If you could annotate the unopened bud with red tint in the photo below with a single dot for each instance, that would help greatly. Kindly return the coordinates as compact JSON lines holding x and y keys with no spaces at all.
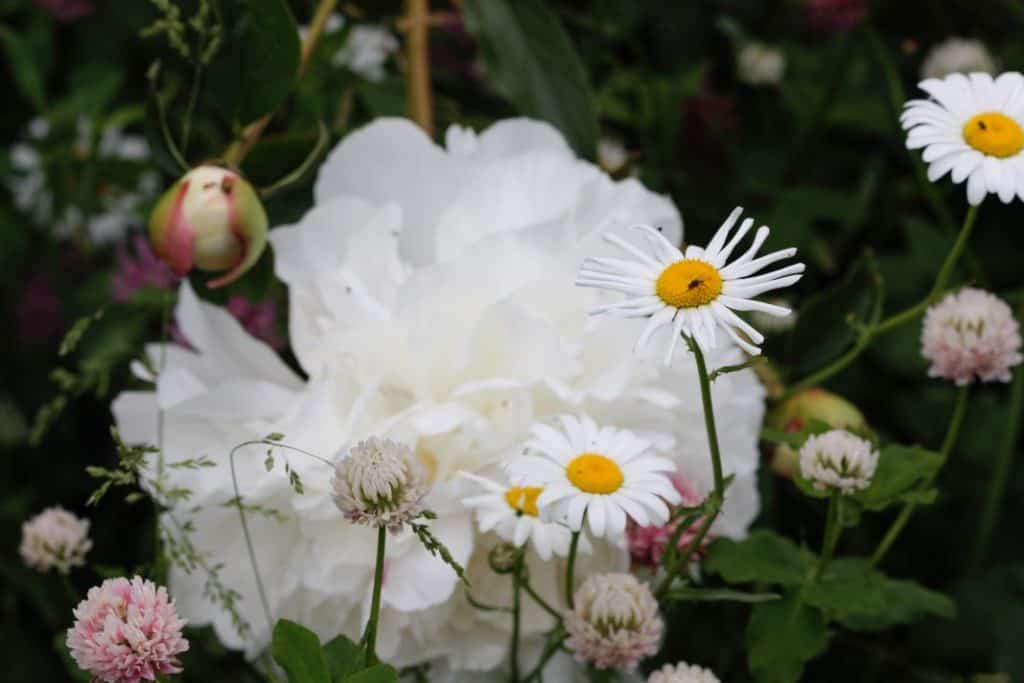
{"x":793,"y":414}
{"x":212,"y":220}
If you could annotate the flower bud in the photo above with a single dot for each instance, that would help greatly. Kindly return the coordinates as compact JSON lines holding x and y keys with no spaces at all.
{"x":794,"y":413}
{"x":211,"y":219}
{"x":615,"y":622}
{"x":379,"y":483}
{"x":838,"y":460}
{"x":504,"y":558}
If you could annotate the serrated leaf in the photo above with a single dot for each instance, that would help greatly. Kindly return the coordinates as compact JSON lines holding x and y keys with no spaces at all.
{"x":764,"y":556}
{"x":782,"y":636}
{"x":533,"y":63}
{"x":297,"y":650}
{"x":902,"y":475}
{"x":344,"y":657}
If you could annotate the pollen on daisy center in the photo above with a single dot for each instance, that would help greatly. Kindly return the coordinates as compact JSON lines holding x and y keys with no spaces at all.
{"x":523,"y":499}
{"x":994,"y":134}
{"x":689,"y":283}
{"x":594,"y":473}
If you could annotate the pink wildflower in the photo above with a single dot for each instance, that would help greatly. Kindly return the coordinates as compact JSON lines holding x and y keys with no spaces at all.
{"x":647,"y":544}
{"x":141,"y":269}
{"x":615,"y":622}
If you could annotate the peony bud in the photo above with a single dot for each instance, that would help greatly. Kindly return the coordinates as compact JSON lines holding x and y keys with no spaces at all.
{"x":211,"y":219}
{"x":794,"y":413}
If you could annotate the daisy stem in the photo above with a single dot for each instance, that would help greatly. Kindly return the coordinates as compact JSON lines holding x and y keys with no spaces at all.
{"x":993,"y":500}
{"x":833,"y":529}
{"x":869,"y":333}
{"x":517,"y":582}
{"x":908,"y":508}
{"x":570,"y":567}
{"x":378,"y":581}
{"x":541,"y":602}
{"x":709,"y":417}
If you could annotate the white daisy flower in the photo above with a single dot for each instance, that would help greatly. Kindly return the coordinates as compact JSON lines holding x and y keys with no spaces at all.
{"x":511,"y":512}
{"x":694,"y":291}
{"x":973,"y":129}
{"x":601,"y":472}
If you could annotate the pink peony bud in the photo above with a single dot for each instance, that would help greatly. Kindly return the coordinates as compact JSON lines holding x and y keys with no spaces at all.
{"x":211,"y":219}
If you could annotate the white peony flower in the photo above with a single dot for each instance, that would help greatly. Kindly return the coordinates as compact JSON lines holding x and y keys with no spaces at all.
{"x":431,"y":302}
{"x":366,"y":50}
{"x":760,"y":64}
{"x":957,"y":55}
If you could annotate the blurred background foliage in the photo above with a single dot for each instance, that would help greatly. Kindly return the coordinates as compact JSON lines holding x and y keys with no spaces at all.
{"x":819,"y":157}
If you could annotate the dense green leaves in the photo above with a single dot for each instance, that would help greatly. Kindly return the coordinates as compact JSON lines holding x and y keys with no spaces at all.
{"x":297,"y":650}
{"x":903,"y":474}
{"x":344,"y":657}
{"x":378,"y":673}
{"x":782,"y":636}
{"x":23,"y":67}
{"x":533,"y":63}
{"x":271,"y":41}
{"x":763,"y":556}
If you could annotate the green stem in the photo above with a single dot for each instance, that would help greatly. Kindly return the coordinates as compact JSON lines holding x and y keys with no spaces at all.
{"x":993,"y":501}
{"x":833,"y":529}
{"x":378,"y":582}
{"x":869,"y":334}
{"x":570,"y":567}
{"x":553,"y":646}
{"x":516,"y":604}
{"x":186,"y":124}
{"x":709,"y":417}
{"x":908,"y":508}
{"x":544,"y":604}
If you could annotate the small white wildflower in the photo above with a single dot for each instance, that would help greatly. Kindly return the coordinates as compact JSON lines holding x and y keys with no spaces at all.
{"x":957,"y":55}
{"x":379,"y":483}
{"x":366,"y":50}
{"x":615,"y":622}
{"x":760,"y":64}
{"x":682,"y":673}
{"x":55,"y":539}
{"x":611,"y":155}
{"x":839,"y":460}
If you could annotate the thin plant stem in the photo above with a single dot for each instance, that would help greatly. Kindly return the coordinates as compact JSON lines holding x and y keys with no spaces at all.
{"x":544,"y":604}
{"x":517,"y":576}
{"x":378,"y":581}
{"x":992,"y":503}
{"x":955,"y":421}
{"x":869,"y":334}
{"x":833,"y":529}
{"x":193,"y":98}
{"x":417,"y":26}
{"x":570,"y":567}
{"x":554,"y":646}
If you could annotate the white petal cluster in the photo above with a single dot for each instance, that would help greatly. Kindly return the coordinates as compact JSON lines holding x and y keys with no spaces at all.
{"x":379,"y":483}
{"x":682,"y":673}
{"x":957,"y":55}
{"x":55,"y":539}
{"x":839,"y":460}
{"x":431,"y":303}
{"x":366,"y":51}
{"x":760,"y":64}
{"x":614,"y":623}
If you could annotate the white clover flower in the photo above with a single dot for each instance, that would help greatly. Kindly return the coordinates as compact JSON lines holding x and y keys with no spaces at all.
{"x":682,"y":673}
{"x":614,"y":623}
{"x":379,"y":483}
{"x":430,"y":299}
{"x":760,"y":64}
{"x":693,"y":292}
{"x":971,"y":129}
{"x":838,"y":459}
{"x":602,"y":473}
{"x":366,"y":50}
{"x":957,"y":55}
{"x":55,"y":539}
{"x":612,"y":155}
{"x":511,"y":512}
{"x":971,"y":335}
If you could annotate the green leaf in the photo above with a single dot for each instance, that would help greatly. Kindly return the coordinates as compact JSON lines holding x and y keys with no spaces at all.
{"x":861,"y":598}
{"x":764,"y":556}
{"x":297,"y":650}
{"x":782,"y":636}
{"x":24,"y":68}
{"x":270,"y":58}
{"x":378,"y":673}
{"x":533,"y":63}
{"x":692,"y":594}
{"x":343,"y":658}
{"x":902,"y":475}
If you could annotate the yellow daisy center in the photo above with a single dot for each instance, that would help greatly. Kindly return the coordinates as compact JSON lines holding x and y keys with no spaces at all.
{"x":523,"y":499}
{"x":689,"y":283}
{"x":594,"y":473}
{"x":994,"y":134}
